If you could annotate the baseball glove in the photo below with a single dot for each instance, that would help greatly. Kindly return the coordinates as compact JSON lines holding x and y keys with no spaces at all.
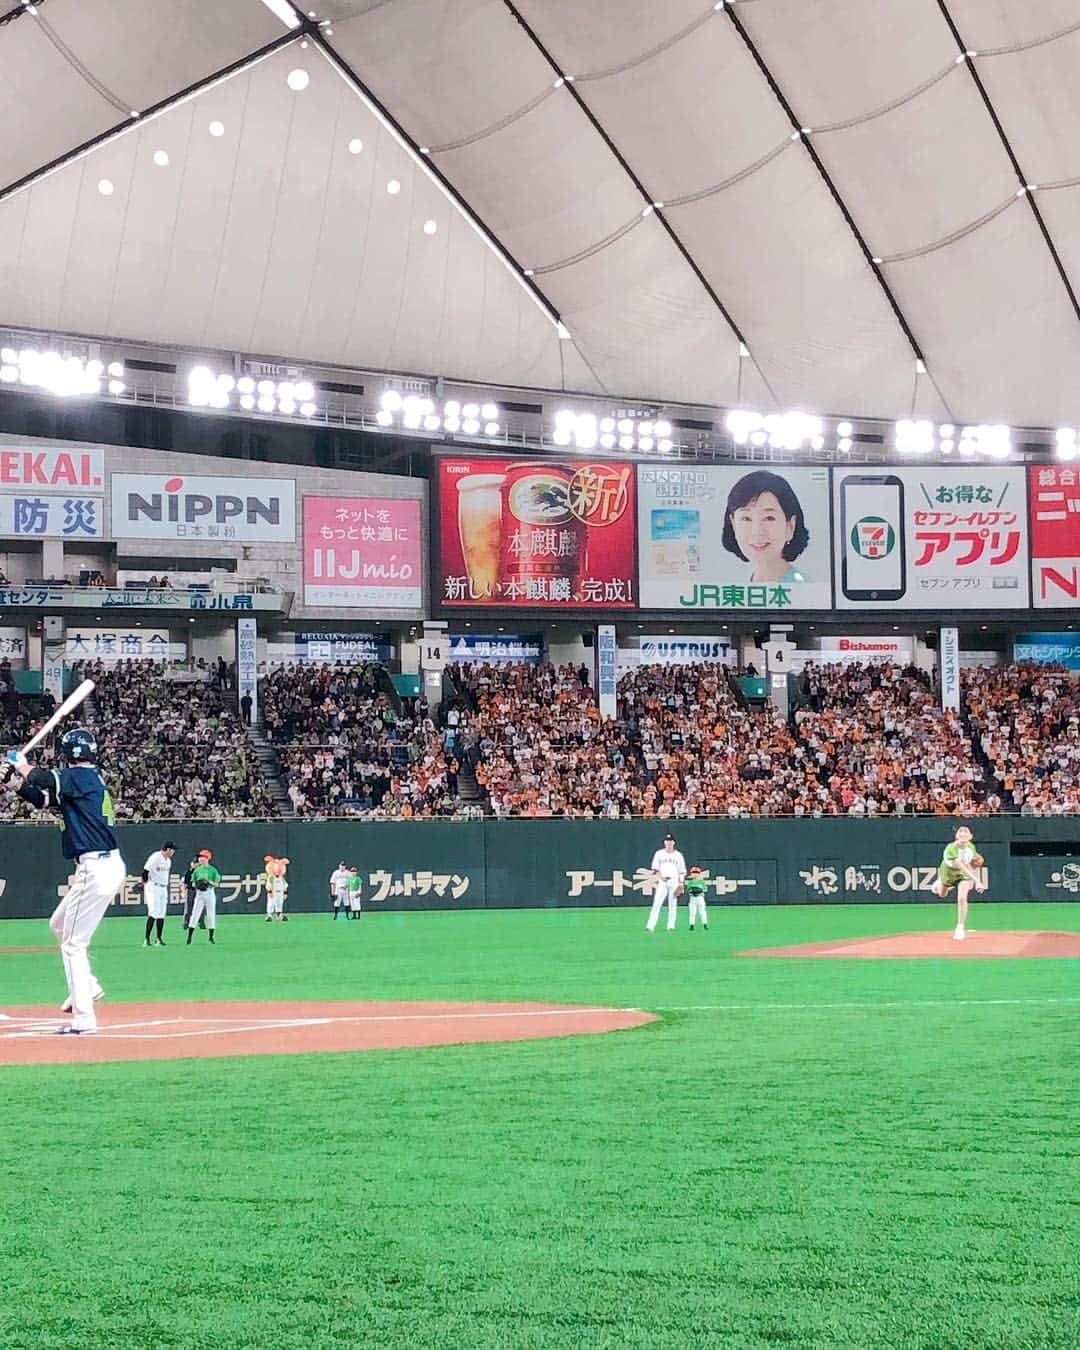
{"x":202,"y":884}
{"x":978,"y":860}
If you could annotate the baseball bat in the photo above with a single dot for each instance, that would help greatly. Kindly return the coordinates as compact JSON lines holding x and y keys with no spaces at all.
{"x":69,"y":705}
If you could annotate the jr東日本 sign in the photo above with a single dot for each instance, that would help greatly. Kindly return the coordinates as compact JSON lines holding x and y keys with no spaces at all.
{"x":733,"y":538}
{"x":43,"y":515}
{"x":198,"y":508}
{"x":1055,"y":536}
{"x":535,"y":534}
{"x":56,"y":470}
{"x":931,"y":538}
{"x":362,"y":553}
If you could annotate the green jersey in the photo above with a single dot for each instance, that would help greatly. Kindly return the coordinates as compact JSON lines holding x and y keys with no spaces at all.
{"x":958,"y":854}
{"x":205,"y":872}
{"x":355,"y":883}
{"x":696,"y":885}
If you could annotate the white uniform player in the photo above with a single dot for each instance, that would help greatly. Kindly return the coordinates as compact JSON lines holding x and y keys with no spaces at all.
{"x":669,"y":868}
{"x":339,"y":889}
{"x":155,"y":873}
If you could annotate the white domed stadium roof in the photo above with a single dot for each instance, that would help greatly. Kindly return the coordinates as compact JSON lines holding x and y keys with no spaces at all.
{"x":841,"y":206}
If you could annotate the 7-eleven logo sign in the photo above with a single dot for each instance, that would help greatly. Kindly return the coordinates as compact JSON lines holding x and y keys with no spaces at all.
{"x":873,"y":537}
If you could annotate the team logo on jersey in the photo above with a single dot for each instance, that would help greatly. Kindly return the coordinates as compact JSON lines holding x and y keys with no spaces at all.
{"x":872,"y":538}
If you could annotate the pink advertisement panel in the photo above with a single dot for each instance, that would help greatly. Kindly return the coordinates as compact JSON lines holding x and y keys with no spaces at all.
{"x":362,"y":553}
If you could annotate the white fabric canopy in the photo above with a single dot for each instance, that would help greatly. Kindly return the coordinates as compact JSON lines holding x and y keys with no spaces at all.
{"x":771,"y":203}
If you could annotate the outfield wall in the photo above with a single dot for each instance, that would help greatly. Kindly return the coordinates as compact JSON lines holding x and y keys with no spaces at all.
{"x":540,"y":863}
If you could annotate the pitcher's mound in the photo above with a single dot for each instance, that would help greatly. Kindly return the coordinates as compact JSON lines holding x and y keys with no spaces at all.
{"x":189,"y":1030}
{"x":919,"y":946}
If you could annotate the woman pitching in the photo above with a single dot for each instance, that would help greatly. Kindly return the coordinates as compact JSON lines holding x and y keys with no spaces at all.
{"x":957,"y":868}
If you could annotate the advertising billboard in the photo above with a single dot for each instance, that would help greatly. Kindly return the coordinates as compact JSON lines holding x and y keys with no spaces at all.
{"x":37,"y":515}
{"x":1048,"y":649}
{"x":534,"y":534}
{"x":71,"y":470}
{"x":199,"y":508}
{"x":362,"y":553}
{"x":931,"y":538}
{"x":733,"y":538}
{"x":1055,"y":536}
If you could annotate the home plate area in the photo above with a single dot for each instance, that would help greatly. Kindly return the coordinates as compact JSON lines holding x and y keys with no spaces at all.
{"x":197,"y":1030}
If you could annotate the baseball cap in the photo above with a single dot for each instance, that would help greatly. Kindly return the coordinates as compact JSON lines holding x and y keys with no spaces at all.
{"x":695,"y":868}
{"x":168,"y":844}
{"x":205,"y":853}
{"x":669,"y":836}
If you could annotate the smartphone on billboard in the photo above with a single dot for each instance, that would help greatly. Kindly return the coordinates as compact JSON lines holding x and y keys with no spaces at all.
{"x":872,"y":526}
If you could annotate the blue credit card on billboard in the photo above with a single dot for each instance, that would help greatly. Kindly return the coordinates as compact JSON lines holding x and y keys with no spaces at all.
{"x":676,"y":524}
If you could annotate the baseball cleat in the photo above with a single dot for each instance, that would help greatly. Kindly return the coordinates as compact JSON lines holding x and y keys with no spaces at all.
{"x":76,"y":1031}
{"x":99,"y":994}
{"x":959,"y":934}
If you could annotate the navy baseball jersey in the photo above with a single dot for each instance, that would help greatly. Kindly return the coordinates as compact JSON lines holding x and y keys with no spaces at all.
{"x":80,"y":796}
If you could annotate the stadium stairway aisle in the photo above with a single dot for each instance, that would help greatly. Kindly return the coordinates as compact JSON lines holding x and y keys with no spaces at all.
{"x":270,"y":767}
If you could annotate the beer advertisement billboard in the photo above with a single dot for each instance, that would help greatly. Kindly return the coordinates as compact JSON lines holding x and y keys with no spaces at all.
{"x":930,"y":538}
{"x":533,"y":534}
{"x":1055,"y":535}
{"x":733,"y":537}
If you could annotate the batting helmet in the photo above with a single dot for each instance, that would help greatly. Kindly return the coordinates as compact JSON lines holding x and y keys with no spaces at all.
{"x":78,"y":746}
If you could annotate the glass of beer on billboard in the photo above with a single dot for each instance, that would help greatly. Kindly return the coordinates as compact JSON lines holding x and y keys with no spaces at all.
{"x":480,"y":526}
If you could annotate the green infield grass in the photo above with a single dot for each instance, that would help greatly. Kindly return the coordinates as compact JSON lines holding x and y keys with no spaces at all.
{"x":802,"y":1153}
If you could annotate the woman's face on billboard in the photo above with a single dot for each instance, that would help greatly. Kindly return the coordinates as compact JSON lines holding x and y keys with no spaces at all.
{"x":762,"y":532}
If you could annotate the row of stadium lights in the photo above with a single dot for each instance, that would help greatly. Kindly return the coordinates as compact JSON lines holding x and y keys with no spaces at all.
{"x":64,"y":376}
{"x":288,"y":397}
{"x":71,"y":376}
{"x":423,"y":414}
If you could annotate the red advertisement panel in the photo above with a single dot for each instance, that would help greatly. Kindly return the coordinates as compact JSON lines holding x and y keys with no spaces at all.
{"x":531,"y":534}
{"x":1055,"y":535}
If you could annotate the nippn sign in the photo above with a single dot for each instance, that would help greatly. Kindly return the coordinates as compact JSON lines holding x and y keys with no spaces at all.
{"x":159,"y":506}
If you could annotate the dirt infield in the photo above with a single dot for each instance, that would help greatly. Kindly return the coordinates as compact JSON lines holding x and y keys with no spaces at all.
{"x":938,"y":946}
{"x":205,"y":1030}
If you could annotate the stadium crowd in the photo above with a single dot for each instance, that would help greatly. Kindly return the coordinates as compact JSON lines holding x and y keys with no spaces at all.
{"x":1027,"y":722}
{"x":528,"y":740}
{"x":349,"y":748}
{"x":173,"y":746}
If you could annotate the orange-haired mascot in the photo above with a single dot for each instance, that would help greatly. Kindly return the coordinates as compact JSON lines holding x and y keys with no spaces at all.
{"x":277,"y":888}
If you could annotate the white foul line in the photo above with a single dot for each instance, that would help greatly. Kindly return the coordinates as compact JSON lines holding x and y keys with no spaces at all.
{"x":898,"y":1003}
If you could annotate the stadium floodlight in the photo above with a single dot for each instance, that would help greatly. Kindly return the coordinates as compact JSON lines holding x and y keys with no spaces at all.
{"x":391,"y":401}
{"x":116,"y":369}
{"x":645,"y":443}
{"x":452,"y":424}
{"x":562,"y":435}
{"x":245,"y":384}
{"x":844,"y":445}
{"x":626,"y":442}
{"x":9,"y":356}
{"x":305,"y":391}
{"x":286,"y":390}
{"x":355,"y":145}
{"x":452,"y":408}
{"x":665,"y":444}
{"x":490,"y":412}
{"x":247,"y":402}
{"x":298,"y":80}
{"x":626,"y":426}
{"x":607,"y":441}
{"x":1065,"y":443}
{"x":393,"y":187}
{"x":491,"y":428}
{"x":287,"y":406}
{"x":470,"y":426}
{"x":9,"y":374}
{"x":913,"y":438}
{"x":607,"y":426}
{"x":662,"y":429}
{"x":266,"y":403}
{"x":432,"y":422}
{"x":161,"y":158}
{"x":471,"y":411}
{"x":844,"y":429}
{"x":384,"y":417}
{"x":743,"y":425}
{"x":105,"y":187}
{"x":116,"y":387}
{"x":95,"y":369}
{"x":216,"y":128}
{"x":307,"y":409}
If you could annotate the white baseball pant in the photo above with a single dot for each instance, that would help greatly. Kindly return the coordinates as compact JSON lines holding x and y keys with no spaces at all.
{"x":156,"y":899}
{"x":275,"y":900}
{"x":205,"y":903}
{"x":698,"y":910}
{"x":665,"y":890}
{"x":98,"y":878}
